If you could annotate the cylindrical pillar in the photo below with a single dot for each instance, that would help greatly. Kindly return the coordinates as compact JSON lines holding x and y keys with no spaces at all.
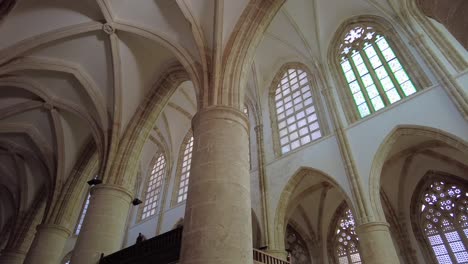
{"x":104,"y":224}
{"x":48,"y":245}
{"x":12,"y":257}
{"x":217,"y":223}
{"x":376,"y":244}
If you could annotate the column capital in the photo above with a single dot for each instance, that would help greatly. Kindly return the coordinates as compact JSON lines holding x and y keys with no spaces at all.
{"x":372,"y":226}
{"x":60,"y":230}
{"x":220,"y":112}
{"x":119,"y":190}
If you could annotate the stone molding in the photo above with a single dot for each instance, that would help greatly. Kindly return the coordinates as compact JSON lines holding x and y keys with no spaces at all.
{"x":57,"y":229}
{"x":220,"y":112}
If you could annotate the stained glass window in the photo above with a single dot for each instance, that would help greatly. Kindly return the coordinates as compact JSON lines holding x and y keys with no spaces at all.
{"x":82,"y":215}
{"x":444,"y":220}
{"x":185,"y":171}
{"x":153,"y":191}
{"x":296,"y":115}
{"x":345,"y":240}
{"x":374,"y":74}
{"x":297,"y":247}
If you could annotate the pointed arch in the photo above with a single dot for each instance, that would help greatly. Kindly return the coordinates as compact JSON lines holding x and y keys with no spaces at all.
{"x":296,"y":110}
{"x":179,"y":193}
{"x":386,"y":146}
{"x":280,"y":221}
{"x":439,"y":217}
{"x":342,"y":240}
{"x":153,"y":188}
{"x":368,"y":57}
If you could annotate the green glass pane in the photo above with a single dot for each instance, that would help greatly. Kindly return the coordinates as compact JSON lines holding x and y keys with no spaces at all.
{"x":350,"y":76}
{"x":370,"y":51}
{"x":346,"y":66}
{"x":363,"y":110}
{"x":393,"y":96}
{"x":408,"y":88}
{"x":387,"y":83}
{"x":354,"y":86}
{"x":375,"y":61}
{"x":381,"y":72}
{"x":401,"y":76}
{"x":362,"y":69}
{"x":388,"y":54}
{"x":357,"y":58}
{"x":358,"y":98}
{"x":394,"y":65}
{"x":377,"y":103}
{"x":382,"y":43}
{"x":372,"y":91}
{"x":367,"y":80}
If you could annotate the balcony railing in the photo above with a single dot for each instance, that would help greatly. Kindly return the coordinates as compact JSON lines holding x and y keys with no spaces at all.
{"x":165,"y":249}
{"x":263,"y":257}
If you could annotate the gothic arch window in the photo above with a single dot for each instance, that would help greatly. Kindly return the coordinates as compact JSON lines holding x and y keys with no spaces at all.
{"x":343,"y":241}
{"x":183,"y":169}
{"x":295,"y":108}
{"x":82,"y":214}
{"x":374,"y":66}
{"x":155,"y":180}
{"x":441,"y":212}
{"x":297,"y":247}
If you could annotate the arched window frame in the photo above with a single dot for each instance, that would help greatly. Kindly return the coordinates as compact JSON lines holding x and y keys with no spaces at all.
{"x":416,"y":214}
{"x":317,"y":103}
{"x":161,"y":187}
{"x":175,"y":192}
{"x":333,"y":241}
{"x":82,"y":215}
{"x":405,"y":57}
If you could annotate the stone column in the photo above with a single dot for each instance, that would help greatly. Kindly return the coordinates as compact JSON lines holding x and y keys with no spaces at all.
{"x":48,"y":244}
{"x":12,"y":257}
{"x":104,"y":224}
{"x":217,"y":223}
{"x":376,"y":244}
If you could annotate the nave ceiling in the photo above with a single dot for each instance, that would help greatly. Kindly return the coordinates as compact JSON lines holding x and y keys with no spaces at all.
{"x":73,"y":73}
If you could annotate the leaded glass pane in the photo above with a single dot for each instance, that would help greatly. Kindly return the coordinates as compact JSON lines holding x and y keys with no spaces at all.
{"x":82,"y":215}
{"x":346,"y":240}
{"x":294,"y":107}
{"x":154,"y":187}
{"x":441,"y":204}
{"x":369,"y":55}
{"x":186,"y":163}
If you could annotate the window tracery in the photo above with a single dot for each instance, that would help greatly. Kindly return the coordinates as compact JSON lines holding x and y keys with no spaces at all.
{"x":185,"y":170}
{"x":153,"y":191}
{"x":296,"y":114}
{"x":297,"y":247}
{"x":374,"y":74}
{"x":443,"y":209}
{"x":346,"y":242}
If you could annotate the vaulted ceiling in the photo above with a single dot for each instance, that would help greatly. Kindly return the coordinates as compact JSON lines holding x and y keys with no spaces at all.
{"x":73,"y":73}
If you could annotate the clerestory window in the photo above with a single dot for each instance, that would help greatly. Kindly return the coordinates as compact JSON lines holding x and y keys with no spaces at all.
{"x":375,"y":76}
{"x":296,"y":114}
{"x":185,"y":169}
{"x":82,"y":215}
{"x":153,"y":189}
